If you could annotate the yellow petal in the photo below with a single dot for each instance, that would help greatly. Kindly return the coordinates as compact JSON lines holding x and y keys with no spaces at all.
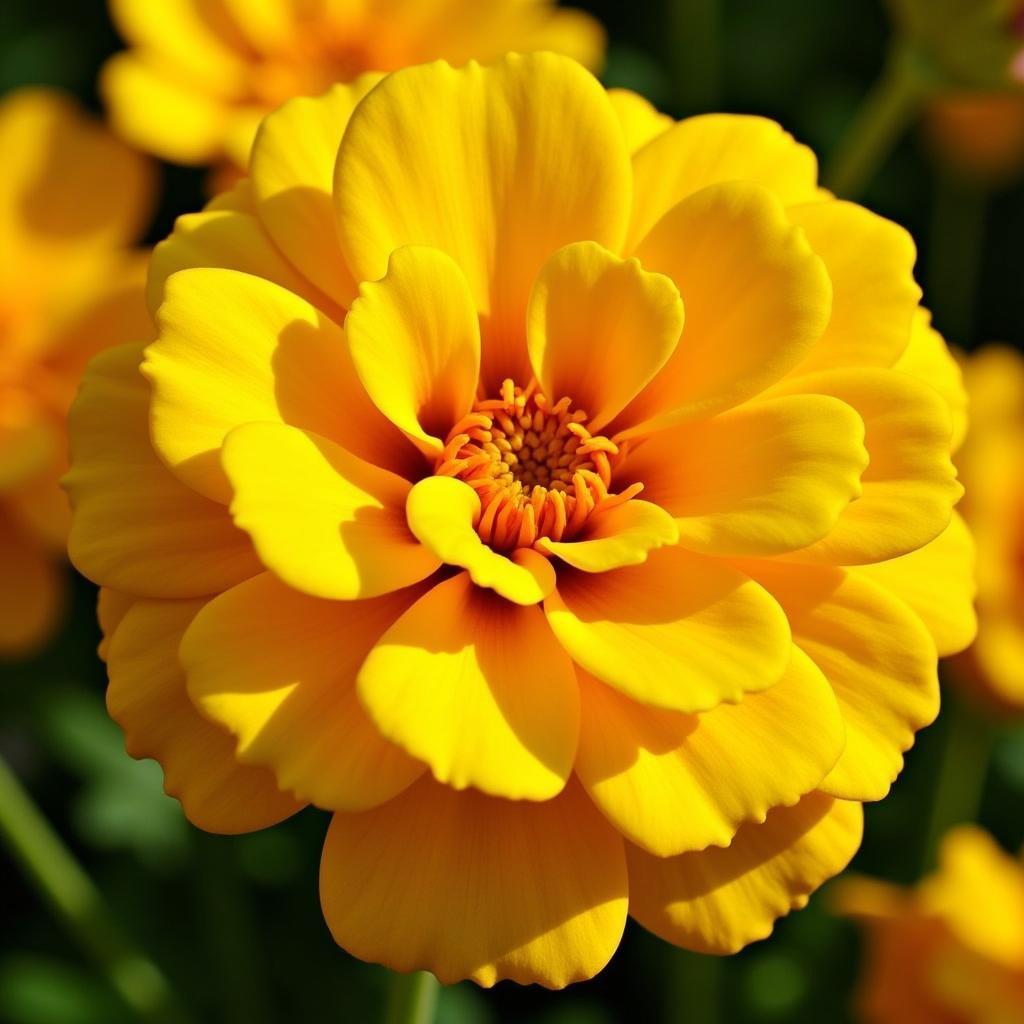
{"x":719,"y":900}
{"x":292,"y":170}
{"x":479,"y":689}
{"x":111,"y":608}
{"x":622,"y":535}
{"x":672,"y":783}
{"x":680,"y":631}
{"x":498,"y":167}
{"x":879,"y":659}
{"x":136,"y":527}
{"x":599,"y":328}
{"x":712,"y":149}
{"x":31,"y":592}
{"x":321,"y":519}
{"x":278,"y":669}
{"x":640,"y":120}
{"x":766,"y":477}
{"x":870,"y":262}
{"x":442,"y":511}
{"x":538,"y":890}
{"x":415,"y":342}
{"x":910,"y":487}
{"x":756,"y":296}
{"x":937,"y":582}
{"x":147,"y":698}
{"x":236,"y":349}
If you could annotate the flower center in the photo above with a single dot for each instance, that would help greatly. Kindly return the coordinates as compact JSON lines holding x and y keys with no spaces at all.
{"x":536,"y":468}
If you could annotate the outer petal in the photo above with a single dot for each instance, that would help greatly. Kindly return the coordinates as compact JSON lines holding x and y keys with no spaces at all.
{"x":278,"y":669}
{"x":756,"y":296}
{"x":937,"y":582}
{"x":147,"y":699}
{"x":680,"y":631}
{"x":672,"y":783}
{"x":719,"y":900}
{"x":323,"y":520}
{"x":479,"y":689}
{"x":292,"y":169}
{"x":639,"y":119}
{"x":415,"y":342}
{"x":135,"y":526}
{"x":31,"y":592}
{"x":441,"y":512}
{"x":498,"y":167}
{"x":766,"y":477}
{"x":599,"y":329}
{"x":237,"y":349}
{"x":532,"y":892}
{"x":910,"y":487}
{"x":712,"y":149}
{"x":878,"y":658}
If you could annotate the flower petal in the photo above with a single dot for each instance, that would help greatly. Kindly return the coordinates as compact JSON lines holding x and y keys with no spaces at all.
{"x":147,"y":698}
{"x":536,"y":891}
{"x":878,"y":657}
{"x":324,"y":521}
{"x":719,"y":900}
{"x":236,"y":349}
{"x":498,"y":167}
{"x":766,"y":477}
{"x":680,"y":631}
{"x":442,"y":511}
{"x":937,"y":582}
{"x":756,"y":297}
{"x":672,"y":783}
{"x":415,"y":343}
{"x":599,"y":328}
{"x":479,"y":689}
{"x":278,"y":669}
{"x":910,"y":487}
{"x":136,"y":527}
{"x":640,"y":120}
{"x":622,"y":535}
{"x":31,"y":591}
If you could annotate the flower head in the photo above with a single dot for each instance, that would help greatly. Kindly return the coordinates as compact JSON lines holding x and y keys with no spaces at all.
{"x":71,"y":201}
{"x":199,"y":77}
{"x":546,"y":489}
{"x":950,"y":949}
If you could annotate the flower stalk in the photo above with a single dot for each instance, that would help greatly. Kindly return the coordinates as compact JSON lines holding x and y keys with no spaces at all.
{"x":412,"y":998}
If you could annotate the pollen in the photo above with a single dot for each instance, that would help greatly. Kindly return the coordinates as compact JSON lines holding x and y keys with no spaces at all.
{"x":537,"y":469}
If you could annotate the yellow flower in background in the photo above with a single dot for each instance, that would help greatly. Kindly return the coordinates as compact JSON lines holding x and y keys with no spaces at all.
{"x":558,"y":494}
{"x":72,"y":199}
{"x":200,"y":75}
{"x":992,"y":466}
{"x":949,"y":950}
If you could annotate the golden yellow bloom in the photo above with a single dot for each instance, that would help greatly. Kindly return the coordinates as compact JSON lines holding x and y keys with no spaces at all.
{"x":597,"y":563}
{"x":950,"y":951}
{"x":201,"y":74}
{"x":71,"y":200}
{"x":992,"y":465}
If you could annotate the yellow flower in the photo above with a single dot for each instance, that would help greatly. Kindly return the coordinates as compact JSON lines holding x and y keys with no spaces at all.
{"x":200,"y":76}
{"x":992,"y":465}
{"x":538,"y":588}
{"x":952,"y":949}
{"x":71,"y":199}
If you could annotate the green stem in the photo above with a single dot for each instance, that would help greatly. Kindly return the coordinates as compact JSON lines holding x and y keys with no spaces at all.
{"x":883,"y":118}
{"x":694,"y":56}
{"x":963,"y":769}
{"x":76,"y":901}
{"x":412,"y":999}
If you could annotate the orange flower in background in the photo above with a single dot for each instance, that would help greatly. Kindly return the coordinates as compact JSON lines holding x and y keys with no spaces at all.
{"x":992,"y":466}
{"x":949,"y":951}
{"x":559,"y":495}
{"x":201,"y":74}
{"x":72,"y":199}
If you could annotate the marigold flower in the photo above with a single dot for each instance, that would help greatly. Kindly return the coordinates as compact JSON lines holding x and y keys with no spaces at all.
{"x":951,"y":949}
{"x":992,"y":465}
{"x":565,"y":607}
{"x":71,"y":200}
{"x":200,"y":76}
